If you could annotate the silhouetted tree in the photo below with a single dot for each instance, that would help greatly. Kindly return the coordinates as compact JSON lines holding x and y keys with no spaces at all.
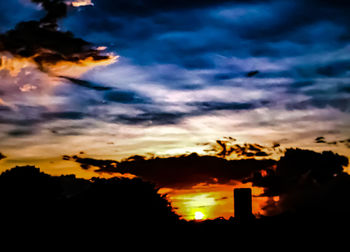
{"x":25,"y":190}
{"x":121,"y":200}
{"x":27,"y":194}
{"x":309,"y":184}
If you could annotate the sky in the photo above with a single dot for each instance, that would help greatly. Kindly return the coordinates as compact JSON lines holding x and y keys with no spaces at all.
{"x":107,"y":80}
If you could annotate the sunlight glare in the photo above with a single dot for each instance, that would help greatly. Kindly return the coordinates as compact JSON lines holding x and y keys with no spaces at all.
{"x":198,"y":215}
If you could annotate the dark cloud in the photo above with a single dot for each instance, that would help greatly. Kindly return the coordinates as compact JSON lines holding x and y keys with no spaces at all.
{"x":44,"y":42}
{"x":266,"y":28}
{"x":64,"y":115}
{"x":5,"y":108}
{"x":340,"y":103}
{"x":149,"y":7}
{"x":181,"y":171}
{"x":296,"y":86}
{"x":333,"y":70}
{"x":19,"y":121}
{"x":155,"y":115}
{"x":69,"y":130}
{"x":28,"y":123}
{"x":288,"y":20}
{"x":252,"y":73}
{"x":87,"y":84}
{"x":127,"y":97}
{"x":21,"y":132}
{"x":2,"y":156}
{"x":55,"y":9}
{"x":31,"y":126}
{"x":341,"y":4}
{"x":248,"y":150}
{"x":31,"y":39}
{"x":346,"y":142}
{"x":22,"y":115}
{"x":107,"y":166}
{"x":226,"y":147}
{"x":276,"y":145}
{"x":27,"y":120}
{"x":224,"y":76}
{"x":214,"y":106}
{"x":345,"y":89}
{"x":200,"y":108}
{"x":322,"y":140}
{"x":151,"y":118}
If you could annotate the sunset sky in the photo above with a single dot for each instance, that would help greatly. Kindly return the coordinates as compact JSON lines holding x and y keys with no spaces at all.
{"x":107,"y":80}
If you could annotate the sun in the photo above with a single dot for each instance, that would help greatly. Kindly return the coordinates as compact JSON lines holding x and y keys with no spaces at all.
{"x":198,"y":215}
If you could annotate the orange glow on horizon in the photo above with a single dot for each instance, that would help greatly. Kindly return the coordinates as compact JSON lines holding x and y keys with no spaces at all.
{"x":211,"y":200}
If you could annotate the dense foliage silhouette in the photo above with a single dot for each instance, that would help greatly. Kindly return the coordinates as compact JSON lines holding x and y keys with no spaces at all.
{"x":27,"y":194}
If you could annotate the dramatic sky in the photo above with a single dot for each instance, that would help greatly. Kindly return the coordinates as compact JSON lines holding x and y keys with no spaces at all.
{"x":107,"y":80}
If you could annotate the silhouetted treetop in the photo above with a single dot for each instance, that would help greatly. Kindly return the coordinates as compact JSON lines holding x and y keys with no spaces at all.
{"x":307,"y":182}
{"x":29,"y":193}
{"x":28,"y":183}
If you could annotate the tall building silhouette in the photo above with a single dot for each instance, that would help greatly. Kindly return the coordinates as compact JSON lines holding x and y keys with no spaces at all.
{"x":243,"y":203}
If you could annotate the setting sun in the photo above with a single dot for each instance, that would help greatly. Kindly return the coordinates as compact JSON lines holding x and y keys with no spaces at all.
{"x":198,"y":215}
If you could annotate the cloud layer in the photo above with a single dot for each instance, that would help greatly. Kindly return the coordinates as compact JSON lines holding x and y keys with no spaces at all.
{"x":189,"y":72}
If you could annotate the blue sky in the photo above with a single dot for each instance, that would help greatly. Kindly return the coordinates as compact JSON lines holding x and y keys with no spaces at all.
{"x":188,"y":73}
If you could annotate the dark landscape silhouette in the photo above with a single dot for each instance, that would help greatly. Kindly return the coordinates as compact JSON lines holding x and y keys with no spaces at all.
{"x":29,"y":195}
{"x":312,"y":186}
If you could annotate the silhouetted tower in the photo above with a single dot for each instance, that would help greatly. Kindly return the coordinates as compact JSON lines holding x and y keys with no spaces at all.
{"x":243,"y":203}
